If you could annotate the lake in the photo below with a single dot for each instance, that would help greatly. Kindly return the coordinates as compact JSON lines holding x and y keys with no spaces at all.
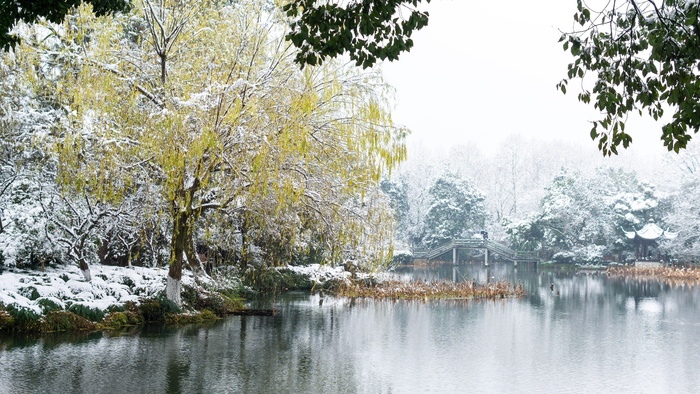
{"x":590,"y":334}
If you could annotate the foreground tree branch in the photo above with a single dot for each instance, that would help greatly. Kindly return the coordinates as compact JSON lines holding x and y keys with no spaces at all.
{"x":640,"y":57}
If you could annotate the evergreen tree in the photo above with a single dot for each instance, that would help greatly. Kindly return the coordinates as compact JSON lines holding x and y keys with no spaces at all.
{"x":457,"y":210}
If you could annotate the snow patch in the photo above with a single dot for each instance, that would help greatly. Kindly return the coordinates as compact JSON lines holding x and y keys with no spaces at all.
{"x":319,"y":273}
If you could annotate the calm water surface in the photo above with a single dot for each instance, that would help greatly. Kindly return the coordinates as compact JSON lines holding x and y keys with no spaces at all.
{"x":591,"y":334}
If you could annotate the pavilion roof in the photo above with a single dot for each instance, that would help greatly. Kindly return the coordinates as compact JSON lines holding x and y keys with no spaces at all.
{"x":650,"y":231}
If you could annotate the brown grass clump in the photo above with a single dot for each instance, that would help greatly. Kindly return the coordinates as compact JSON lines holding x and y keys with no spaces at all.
{"x":428,"y":264}
{"x":669,"y":274}
{"x":66,"y":321}
{"x":444,"y":289}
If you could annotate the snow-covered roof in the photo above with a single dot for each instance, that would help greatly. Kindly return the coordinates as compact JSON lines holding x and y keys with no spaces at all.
{"x":650,"y":231}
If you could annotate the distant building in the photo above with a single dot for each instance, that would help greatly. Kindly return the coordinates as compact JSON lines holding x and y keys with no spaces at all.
{"x":646,"y":240}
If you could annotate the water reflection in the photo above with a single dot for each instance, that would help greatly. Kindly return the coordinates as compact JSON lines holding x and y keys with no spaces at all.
{"x":590,"y":333}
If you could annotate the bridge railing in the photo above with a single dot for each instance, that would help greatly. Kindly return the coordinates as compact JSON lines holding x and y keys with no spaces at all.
{"x":475,"y":243}
{"x":439,"y":250}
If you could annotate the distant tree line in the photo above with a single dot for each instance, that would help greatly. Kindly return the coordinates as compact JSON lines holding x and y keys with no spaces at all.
{"x":572,"y":216}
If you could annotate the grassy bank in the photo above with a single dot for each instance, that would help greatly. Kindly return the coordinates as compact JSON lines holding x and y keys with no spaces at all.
{"x":211,"y":306}
{"x":203,"y":307}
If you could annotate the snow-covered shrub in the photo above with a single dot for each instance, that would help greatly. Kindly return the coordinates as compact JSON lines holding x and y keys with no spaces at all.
{"x":23,"y":238}
{"x":592,"y":254}
{"x":23,"y":319}
{"x":155,"y":309}
{"x":49,"y":304}
{"x":30,"y":292}
{"x":402,"y":257}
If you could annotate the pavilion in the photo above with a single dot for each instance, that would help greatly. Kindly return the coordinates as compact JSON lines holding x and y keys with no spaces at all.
{"x":646,"y":240}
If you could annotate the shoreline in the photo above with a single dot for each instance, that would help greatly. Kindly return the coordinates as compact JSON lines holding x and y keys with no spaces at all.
{"x":58,"y":300}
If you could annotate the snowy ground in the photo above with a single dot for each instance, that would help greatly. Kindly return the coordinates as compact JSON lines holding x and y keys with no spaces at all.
{"x":109,"y":286}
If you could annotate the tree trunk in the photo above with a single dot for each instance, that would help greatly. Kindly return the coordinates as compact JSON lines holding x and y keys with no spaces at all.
{"x":196,"y":264}
{"x":244,"y":246}
{"x":180,"y":253}
{"x":102,"y":251}
{"x":173,"y":289}
{"x":182,"y":248}
{"x":85,"y":269}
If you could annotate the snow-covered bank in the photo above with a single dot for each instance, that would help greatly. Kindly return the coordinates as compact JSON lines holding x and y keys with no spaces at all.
{"x":319,"y":273}
{"x":65,"y":285}
{"x":59,"y":299}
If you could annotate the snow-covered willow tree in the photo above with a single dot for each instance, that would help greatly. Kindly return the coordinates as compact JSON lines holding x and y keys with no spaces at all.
{"x":201,"y":103}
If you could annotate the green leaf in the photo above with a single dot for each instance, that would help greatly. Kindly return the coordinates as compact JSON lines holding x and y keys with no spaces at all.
{"x":587,"y":13}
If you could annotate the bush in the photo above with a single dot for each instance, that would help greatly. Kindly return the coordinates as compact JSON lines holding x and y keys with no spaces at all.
{"x":189,"y":295}
{"x":92,"y":314}
{"x":218,"y":304}
{"x":115,"y":308}
{"x":207,"y":315}
{"x":29,"y":292}
{"x":117,"y":320}
{"x":47,"y":305}
{"x":592,"y":254}
{"x":66,"y":321}
{"x":23,"y":319}
{"x":272,"y":280}
{"x":155,"y":309}
{"x":402,"y":258}
{"x":128,"y":282}
{"x":204,"y":316}
{"x":114,"y":320}
{"x":6,"y":320}
{"x":130,"y":306}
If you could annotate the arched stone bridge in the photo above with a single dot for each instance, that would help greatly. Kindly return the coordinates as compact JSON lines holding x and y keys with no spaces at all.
{"x":490,"y":246}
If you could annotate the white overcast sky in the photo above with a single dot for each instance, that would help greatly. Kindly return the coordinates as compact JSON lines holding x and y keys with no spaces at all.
{"x":484,"y":70}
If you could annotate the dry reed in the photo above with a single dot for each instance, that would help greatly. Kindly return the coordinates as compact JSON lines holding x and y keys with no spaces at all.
{"x":669,"y":274}
{"x":444,"y":289}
